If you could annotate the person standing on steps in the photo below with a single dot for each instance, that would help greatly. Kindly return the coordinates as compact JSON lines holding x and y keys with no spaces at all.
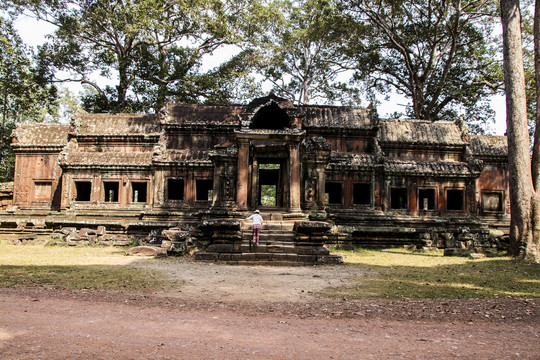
{"x":256,"y":226}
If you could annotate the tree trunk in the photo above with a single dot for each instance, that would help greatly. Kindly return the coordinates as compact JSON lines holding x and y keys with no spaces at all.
{"x":536,"y":148}
{"x":519,"y":161}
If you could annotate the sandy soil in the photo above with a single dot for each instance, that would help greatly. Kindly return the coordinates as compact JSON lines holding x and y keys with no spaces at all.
{"x":247,"y":312}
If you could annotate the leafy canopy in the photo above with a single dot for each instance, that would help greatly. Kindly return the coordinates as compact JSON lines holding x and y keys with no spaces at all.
{"x":440,"y":54}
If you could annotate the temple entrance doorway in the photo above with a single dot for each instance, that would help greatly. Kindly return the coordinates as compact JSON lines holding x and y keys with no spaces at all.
{"x":270,"y":187}
{"x":269,"y":181}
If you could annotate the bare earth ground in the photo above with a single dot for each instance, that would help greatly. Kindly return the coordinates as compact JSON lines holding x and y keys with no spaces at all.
{"x":259,"y":312}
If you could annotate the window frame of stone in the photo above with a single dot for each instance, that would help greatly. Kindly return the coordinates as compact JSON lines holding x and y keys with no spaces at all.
{"x":327,"y":198}
{"x":407,"y":200}
{"x":370,"y":194}
{"x":462,"y":189}
{"x":35,"y":188}
{"x":75,"y":188}
{"x":168,"y":187}
{"x":132,"y":191}
{"x":104,"y":193}
{"x":210,"y":190}
{"x":418,"y":203}
{"x":500,"y":193}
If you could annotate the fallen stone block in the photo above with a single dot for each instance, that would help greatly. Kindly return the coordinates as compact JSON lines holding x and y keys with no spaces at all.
{"x":145,"y":251}
{"x":456,"y":252}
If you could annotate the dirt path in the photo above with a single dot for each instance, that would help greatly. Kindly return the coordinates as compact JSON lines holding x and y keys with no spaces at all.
{"x":234,"y":312}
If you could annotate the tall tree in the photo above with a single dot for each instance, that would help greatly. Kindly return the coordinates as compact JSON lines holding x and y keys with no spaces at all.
{"x":301,"y":53}
{"x":24,"y":94}
{"x":152,"y":47}
{"x":522,"y":195}
{"x":439,"y":54}
{"x":534,"y":252}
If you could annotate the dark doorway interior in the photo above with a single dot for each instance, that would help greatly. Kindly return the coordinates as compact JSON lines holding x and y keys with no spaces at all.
{"x":203,"y":190}
{"x":111,"y":191}
{"x":426,"y":199}
{"x":398,"y":198}
{"x":139,"y":192}
{"x":83,"y":190}
{"x":454,"y":200}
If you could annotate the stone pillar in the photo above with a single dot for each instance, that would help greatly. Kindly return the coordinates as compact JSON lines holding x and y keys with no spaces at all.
{"x":243,"y":165}
{"x":254,"y":183}
{"x":217,"y":195}
{"x":294,"y":168}
{"x":190,"y":189}
{"x":321,"y":188}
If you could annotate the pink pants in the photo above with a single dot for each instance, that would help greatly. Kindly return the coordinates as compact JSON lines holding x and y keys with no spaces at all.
{"x":256,"y":230}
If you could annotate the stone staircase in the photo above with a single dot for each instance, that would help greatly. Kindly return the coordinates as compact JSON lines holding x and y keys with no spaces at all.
{"x":279,"y":244}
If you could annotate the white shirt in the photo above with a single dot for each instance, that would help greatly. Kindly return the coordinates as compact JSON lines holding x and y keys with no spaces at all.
{"x":256,"y":218}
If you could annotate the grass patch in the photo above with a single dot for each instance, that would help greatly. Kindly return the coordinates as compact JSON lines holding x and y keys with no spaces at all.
{"x":72,"y":268}
{"x":402,"y":274}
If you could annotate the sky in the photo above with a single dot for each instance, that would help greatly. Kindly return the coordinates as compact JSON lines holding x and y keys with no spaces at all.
{"x":34,"y":33}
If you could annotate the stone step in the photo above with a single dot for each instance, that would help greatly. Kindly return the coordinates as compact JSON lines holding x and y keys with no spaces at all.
{"x":282,"y":259}
{"x":273,"y":232}
{"x":271,"y":225}
{"x":269,"y":249}
{"x":271,"y":236}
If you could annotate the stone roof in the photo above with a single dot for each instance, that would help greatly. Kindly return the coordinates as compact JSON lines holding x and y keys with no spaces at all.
{"x":204,"y":114}
{"x":115,"y":124}
{"x":257,"y":103}
{"x":338,"y":117}
{"x":108,"y":158}
{"x":420,"y":132}
{"x":186,"y":155}
{"x":352,"y":160}
{"x":41,"y":134}
{"x":446,"y":168}
{"x":489,"y":145}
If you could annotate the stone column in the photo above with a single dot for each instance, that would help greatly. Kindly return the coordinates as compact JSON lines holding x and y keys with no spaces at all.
{"x":243,"y":165}
{"x":321,"y":187}
{"x":294,"y":168}
{"x":217,"y":195}
{"x":254,"y":183}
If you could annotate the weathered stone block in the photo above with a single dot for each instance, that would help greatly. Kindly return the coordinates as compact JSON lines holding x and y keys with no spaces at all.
{"x":175,"y":234}
{"x":456,"y":252}
{"x":225,"y":248}
{"x":145,"y":251}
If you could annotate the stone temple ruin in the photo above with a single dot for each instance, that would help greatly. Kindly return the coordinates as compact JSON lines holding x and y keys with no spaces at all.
{"x":189,"y":176}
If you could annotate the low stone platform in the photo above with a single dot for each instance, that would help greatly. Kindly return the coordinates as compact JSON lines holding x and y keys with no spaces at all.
{"x":280,"y":243}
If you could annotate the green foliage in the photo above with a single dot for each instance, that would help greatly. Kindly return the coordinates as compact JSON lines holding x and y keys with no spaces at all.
{"x":441,"y":55}
{"x":268,"y":195}
{"x":24,"y":93}
{"x":301,"y":53}
{"x":153,"y":48}
{"x":398,"y":274}
{"x":7,"y":157}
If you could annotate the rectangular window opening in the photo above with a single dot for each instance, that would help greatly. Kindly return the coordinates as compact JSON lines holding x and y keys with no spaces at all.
{"x":139,"y":192}
{"x":175,"y":189}
{"x":398,"y":198}
{"x":111,"y":191}
{"x":426,"y":199}
{"x":362,"y":194}
{"x":204,"y":190}
{"x":454,"y":200}
{"x":43,"y":190}
{"x":83,"y":190}
{"x":492,"y":201}
{"x":333,"y":193}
